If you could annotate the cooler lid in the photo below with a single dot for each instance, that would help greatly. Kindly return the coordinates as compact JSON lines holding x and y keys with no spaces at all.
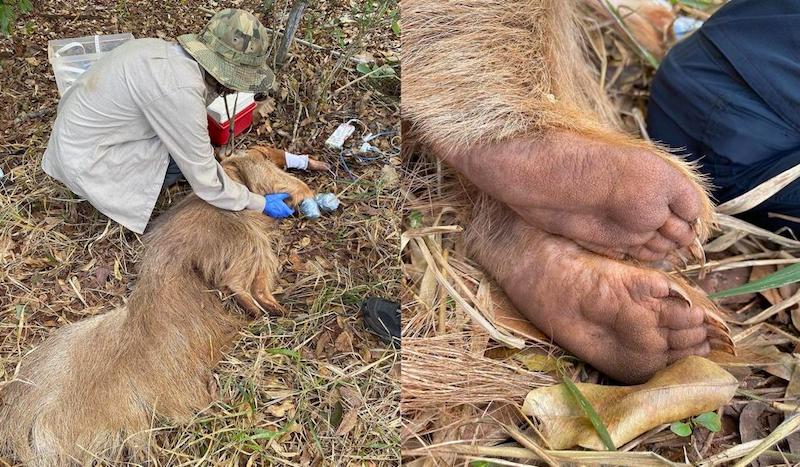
{"x":217,"y":108}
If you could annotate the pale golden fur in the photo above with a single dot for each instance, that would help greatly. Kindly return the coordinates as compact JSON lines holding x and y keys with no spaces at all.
{"x":98,"y":382}
{"x":482,"y":71}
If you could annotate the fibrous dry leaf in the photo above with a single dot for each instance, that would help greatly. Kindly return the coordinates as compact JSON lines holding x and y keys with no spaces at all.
{"x":688,"y":387}
{"x":344,"y":342}
{"x":280,"y":410}
{"x":349,"y":421}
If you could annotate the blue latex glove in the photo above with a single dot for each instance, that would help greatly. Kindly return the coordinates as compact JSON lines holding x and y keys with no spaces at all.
{"x":275,"y":206}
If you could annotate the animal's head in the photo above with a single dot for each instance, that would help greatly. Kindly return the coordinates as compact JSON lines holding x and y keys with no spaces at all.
{"x":257,"y":168}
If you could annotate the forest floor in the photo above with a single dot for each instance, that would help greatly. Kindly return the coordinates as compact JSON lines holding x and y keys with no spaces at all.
{"x":313,"y":388}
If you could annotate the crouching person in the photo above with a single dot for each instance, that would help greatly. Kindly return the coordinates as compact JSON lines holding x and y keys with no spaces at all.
{"x":136,"y":120}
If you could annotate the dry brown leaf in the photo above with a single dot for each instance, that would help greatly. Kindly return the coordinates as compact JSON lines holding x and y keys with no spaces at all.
{"x":282,"y":409}
{"x":323,"y":344}
{"x":793,"y":388}
{"x":297,"y":263}
{"x":688,"y":387}
{"x":389,"y":176}
{"x":351,"y":396}
{"x":349,"y":422}
{"x":783,"y":364}
{"x":6,"y":245}
{"x":428,"y":287}
{"x":723,"y":280}
{"x":795,"y":313}
{"x":794,"y":443}
{"x":750,"y":428}
{"x":101,"y":275}
{"x":773,"y":296}
{"x":265,"y":107}
{"x":537,"y":360}
{"x":344,"y":342}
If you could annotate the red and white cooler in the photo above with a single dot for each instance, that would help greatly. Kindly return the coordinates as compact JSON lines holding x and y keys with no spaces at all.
{"x":242,"y":116}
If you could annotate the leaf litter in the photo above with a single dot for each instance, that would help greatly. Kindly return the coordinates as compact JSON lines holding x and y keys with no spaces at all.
{"x":61,"y":261}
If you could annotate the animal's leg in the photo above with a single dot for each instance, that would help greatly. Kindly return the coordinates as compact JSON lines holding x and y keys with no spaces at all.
{"x":250,"y":275}
{"x":529,"y":124}
{"x":316,"y":165}
{"x":245,"y":299}
{"x":261,"y":291}
{"x":613,"y":199}
{"x":278,"y":157}
{"x":297,"y":190}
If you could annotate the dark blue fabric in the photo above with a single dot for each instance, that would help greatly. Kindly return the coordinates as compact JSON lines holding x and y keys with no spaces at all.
{"x":729,"y":97}
{"x":173,"y":174}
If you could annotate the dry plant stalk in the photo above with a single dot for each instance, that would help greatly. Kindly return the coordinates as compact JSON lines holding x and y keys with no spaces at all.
{"x":441,"y":371}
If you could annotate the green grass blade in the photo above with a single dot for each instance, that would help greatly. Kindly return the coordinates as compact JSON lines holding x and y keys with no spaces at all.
{"x":587,"y":408}
{"x":787,"y":275}
{"x":698,"y":4}
{"x":293,"y":354}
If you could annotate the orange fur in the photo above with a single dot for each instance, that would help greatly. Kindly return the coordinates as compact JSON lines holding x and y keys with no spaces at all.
{"x":95,"y":385}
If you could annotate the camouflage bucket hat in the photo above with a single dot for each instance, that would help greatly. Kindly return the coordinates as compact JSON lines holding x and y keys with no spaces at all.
{"x":233,"y":49}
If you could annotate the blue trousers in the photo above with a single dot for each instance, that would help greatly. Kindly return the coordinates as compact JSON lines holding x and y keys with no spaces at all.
{"x":728,"y":97}
{"x":173,"y":174}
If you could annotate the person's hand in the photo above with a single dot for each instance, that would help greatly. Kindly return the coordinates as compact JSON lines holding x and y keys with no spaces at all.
{"x":276,"y":207}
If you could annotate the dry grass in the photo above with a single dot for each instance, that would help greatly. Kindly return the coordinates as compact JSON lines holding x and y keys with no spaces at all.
{"x":310,"y":389}
{"x":473,"y":377}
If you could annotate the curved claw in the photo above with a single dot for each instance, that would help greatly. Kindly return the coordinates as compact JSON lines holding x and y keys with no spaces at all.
{"x":719,"y":333}
{"x":316,"y":165}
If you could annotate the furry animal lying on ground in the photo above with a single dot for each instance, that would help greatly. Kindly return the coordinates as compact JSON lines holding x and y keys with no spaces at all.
{"x":94,"y":385}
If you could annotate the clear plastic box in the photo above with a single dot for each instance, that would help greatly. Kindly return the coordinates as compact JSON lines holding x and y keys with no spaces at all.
{"x":71,"y":57}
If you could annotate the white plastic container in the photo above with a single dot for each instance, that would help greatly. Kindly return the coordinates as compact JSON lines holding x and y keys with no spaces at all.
{"x":217,"y":108}
{"x":70,"y":58}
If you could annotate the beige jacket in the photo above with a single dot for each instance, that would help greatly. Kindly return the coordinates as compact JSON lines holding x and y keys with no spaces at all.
{"x":120,"y":122}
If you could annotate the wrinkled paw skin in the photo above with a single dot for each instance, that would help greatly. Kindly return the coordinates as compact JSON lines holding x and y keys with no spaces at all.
{"x":625,"y":320}
{"x":579,"y":193}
